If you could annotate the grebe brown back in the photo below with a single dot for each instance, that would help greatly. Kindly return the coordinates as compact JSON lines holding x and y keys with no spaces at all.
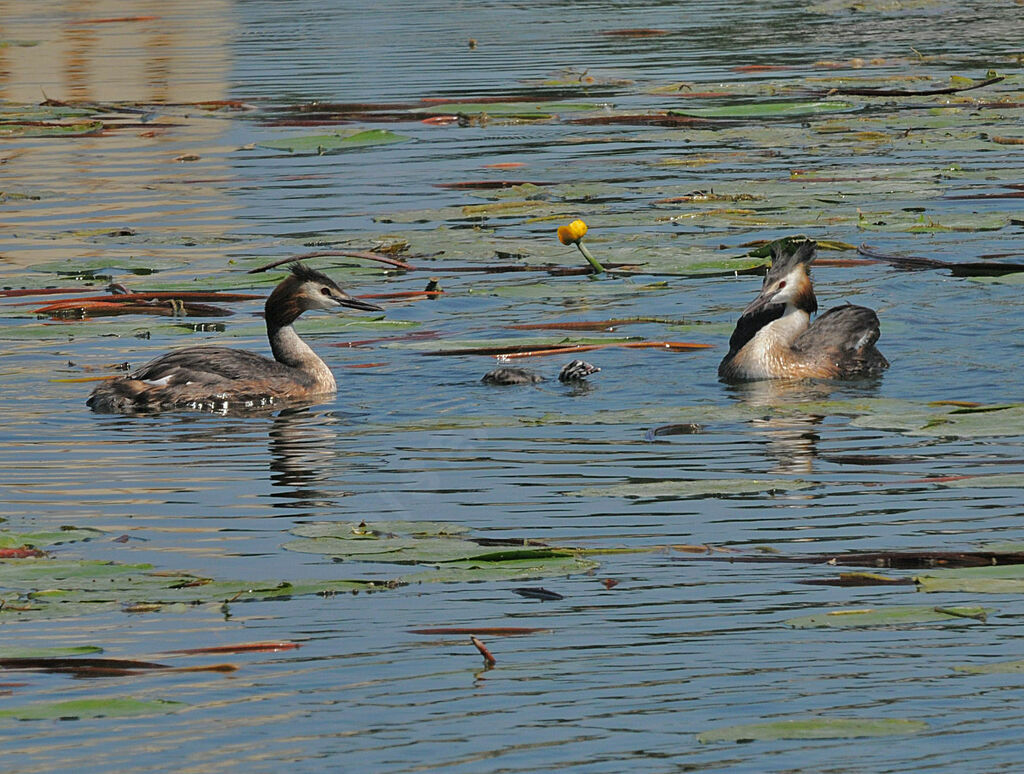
{"x":224,"y":379}
{"x":775,"y":339}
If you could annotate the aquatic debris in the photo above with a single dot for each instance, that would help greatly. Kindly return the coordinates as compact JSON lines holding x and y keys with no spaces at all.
{"x":248,"y":647}
{"x":538,"y":592}
{"x":489,"y":659}
{"x":853,"y":91}
{"x":956,"y":268}
{"x":364,"y":254}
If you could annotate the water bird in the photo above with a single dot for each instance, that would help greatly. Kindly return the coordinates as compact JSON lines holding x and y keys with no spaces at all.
{"x":572,"y":372}
{"x":775,"y":338}
{"x":224,"y":379}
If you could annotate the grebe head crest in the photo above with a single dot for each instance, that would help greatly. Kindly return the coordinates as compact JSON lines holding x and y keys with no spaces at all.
{"x":312,"y":289}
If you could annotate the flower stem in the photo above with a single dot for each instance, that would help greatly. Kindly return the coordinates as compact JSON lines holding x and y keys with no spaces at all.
{"x":598,"y":268}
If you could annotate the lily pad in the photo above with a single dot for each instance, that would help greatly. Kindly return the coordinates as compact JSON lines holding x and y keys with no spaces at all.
{"x":704,"y":487}
{"x":51,"y":588}
{"x":529,"y":109}
{"x":11,"y":130}
{"x":814,"y":728}
{"x":86,"y":709}
{"x":53,"y":652}
{"x":997,"y":668}
{"x":54,"y":537}
{"x":456,"y":558}
{"x":333,"y":143}
{"x":775,"y":109}
{"x":514,"y":569}
{"x":900,"y":615}
{"x":1000,"y":579}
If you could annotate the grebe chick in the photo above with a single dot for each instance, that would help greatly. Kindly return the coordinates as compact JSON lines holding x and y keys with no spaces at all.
{"x":572,"y":372}
{"x":222,"y":379}
{"x":775,"y":339}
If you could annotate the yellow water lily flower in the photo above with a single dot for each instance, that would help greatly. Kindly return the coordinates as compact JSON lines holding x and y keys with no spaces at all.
{"x":572,"y":233}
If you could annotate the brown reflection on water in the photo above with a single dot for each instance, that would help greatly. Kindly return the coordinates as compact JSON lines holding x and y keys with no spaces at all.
{"x":105,"y":50}
{"x":155,"y":177}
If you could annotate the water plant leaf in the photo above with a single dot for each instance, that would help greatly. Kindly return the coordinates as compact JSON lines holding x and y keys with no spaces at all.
{"x":814,"y":728}
{"x":997,"y":668}
{"x":897,"y":615}
{"x":774,"y":109}
{"x":81,"y":129}
{"x":85,"y":709}
{"x":50,"y":538}
{"x":13,"y":651}
{"x":509,"y":109}
{"x":1000,"y":579}
{"x":706,"y":487}
{"x":332,"y":143}
{"x":509,"y":570}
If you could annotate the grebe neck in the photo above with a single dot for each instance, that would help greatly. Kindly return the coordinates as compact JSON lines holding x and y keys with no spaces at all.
{"x":292,"y":351}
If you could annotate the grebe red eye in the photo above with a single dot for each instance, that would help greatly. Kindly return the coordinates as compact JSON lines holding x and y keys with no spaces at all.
{"x":782,"y":284}
{"x":325,"y":291}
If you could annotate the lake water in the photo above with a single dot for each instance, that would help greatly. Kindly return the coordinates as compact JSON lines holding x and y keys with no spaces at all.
{"x":696,"y":544}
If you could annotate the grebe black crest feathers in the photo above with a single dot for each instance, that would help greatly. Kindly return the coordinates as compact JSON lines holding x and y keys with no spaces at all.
{"x":224,"y":379}
{"x":774,"y":337}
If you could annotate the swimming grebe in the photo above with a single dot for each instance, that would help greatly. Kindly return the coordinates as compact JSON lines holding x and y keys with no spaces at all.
{"x":774,"y":338}
{"x":574,"y":371}
{"x":222,"y":379}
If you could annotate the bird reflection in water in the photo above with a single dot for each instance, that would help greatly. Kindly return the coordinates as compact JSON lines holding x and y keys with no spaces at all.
{"x":303,"y":459}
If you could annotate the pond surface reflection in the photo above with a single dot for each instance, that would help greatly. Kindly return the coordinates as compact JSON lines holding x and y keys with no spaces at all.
{"x":685,"y":524}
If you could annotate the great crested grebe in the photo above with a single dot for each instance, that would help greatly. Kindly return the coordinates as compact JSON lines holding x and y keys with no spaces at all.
{"x":573,"y":372}
{"x":224,"y":379}
{"x":775,"y":339}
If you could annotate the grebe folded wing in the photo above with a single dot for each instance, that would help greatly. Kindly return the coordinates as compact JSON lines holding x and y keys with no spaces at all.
{"x":845,"y":337}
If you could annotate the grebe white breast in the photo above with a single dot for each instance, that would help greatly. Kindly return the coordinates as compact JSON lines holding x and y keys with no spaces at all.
{"x":775,"y":338}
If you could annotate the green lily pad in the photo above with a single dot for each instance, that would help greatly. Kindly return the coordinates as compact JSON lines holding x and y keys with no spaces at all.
{"x":779,"y":109}
{"x":513,"y":569}
{"x":1000,"y":579}
{"x":456,"y":559}
{"x":333,"y":143}
{"x":899,"y":615}
{"x":40,"y":539}
{"x":12,"y":130}
{"x":54,"y":652}
{"x":44,"y":588}
{"x":814,"y":728}
{"x":527,"y":109}
{"x":86,"y":709}
{"x":706,"y":487}
{"x":998,"y":668}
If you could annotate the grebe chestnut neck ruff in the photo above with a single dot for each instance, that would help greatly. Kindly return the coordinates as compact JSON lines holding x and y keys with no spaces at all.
{"x":775,"y":338}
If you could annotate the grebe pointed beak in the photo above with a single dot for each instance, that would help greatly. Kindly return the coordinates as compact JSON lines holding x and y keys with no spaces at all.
{"x":358,"y":303}
{"x":762,"y":301}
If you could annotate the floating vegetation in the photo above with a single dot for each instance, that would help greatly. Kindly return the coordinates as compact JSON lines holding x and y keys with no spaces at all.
{"x":814,"y":728}
{"x":321,"y":144}
{"x":895,"y":615}
{"x":446,"y":547}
